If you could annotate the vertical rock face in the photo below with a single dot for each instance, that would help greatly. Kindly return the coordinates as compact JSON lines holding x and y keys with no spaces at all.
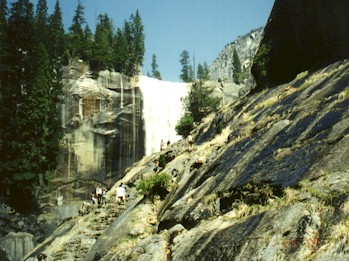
{"x":301,"y":35}
{"x":17,"y":245}
{"x":103,"y":126}
{"x":246,"y":47}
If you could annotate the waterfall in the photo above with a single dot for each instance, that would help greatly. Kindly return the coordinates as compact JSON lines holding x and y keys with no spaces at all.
{"x":162,"y":108}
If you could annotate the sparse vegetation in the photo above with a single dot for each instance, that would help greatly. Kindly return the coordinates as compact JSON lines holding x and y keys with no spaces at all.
{"x":155,"y":185}
{"x":199,"y":103}
{"x":185,"y":125}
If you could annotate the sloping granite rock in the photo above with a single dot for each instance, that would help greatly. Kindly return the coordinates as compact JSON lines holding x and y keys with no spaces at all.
{"x":272,"y":184}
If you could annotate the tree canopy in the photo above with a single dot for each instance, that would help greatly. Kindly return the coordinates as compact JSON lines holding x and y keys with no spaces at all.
{"x":33,"y":49}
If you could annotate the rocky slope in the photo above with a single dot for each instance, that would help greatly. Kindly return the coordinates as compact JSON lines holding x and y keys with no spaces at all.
{"x":272,"y":185}
{"x":246,"y":47}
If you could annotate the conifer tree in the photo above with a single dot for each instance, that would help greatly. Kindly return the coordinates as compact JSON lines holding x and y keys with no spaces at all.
{"x":29,"y":119}
{"x":76,"y":35}
{"x":17,"y":82}
{"x":186,"y":74}
{"x":41,"y":21}
{"x":120,"y":51}
{"x":137,"y":34}
{"x":127,"y":54}
{"x":154,"y":68}
{"x":200,"y":73}
{"x":237,"y":67}
{"x":3,"y":20}
{"x":200,"y":101}
{"x":102,"y":46}
{"x":87,"y":44}
{"x":3,"y":27}
{"x":56,"y":52}
{"x":56,"y":44}
{"x":206,"y":71}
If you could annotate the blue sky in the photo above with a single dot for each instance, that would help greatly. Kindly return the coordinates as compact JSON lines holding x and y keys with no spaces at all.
{"x":202,"y":27}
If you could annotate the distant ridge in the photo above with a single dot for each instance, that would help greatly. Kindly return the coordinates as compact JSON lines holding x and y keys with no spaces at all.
{"x":246,"y":47}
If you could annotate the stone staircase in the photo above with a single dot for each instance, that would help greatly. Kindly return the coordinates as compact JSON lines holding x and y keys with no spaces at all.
{"x":85,"y":233}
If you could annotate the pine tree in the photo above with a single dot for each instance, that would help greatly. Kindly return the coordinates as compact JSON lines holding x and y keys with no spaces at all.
{"x":127,"y":53}
{"x":41,"y":21}
{"x":3,"y":27}
{"x":237,"y":67}
{"x":57,"y":43}
{"x":76,"y":35}
{"x":17,"y":83}
{"x":3,"y":20}
{"x":200,"y":73}
{"x":102,"y":46}
{"x":57,"y":58}
{"x":87,"y":44}
{"x":29,"y":118}
{"x":138,"y":37}
{"x":120,"y":51}
{"x":154,"y":68}
{"x":186,"y":75}
{"x":200,"y":101}
{"x":206,"y":71}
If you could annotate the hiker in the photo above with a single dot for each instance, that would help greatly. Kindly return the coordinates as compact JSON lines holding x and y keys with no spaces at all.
{"x":157,"y":166}
{"x":104,"y":196}
{"x":162,"y":145}
{"x":168,"y":143}
{"x":93,"y":198}
{"x":99,"y":195}
{"x":121,"y":194}
{"x":190,"y":141}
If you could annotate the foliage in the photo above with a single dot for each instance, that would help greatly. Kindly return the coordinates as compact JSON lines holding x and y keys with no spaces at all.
{"x":101,"y":57}
{"x":156,"y":184}
{"x":185,"y":125}
{"x":33,"y":50}
{"x":200,"y":101}
{"x":203,"y":72}
{"x":76,"y":34}
{"x":237,"y":72}
{"x":128,"y":46}
{"x":187,"y":70}
{"x":30,"y":127}
{"x":261,"y":59}
{"x":154,"y":68}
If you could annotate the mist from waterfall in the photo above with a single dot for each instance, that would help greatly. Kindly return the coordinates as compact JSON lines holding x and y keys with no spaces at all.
{"x":162,"y":108}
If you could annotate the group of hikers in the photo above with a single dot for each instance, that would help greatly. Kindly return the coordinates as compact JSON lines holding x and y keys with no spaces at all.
{"x":99,"y":195}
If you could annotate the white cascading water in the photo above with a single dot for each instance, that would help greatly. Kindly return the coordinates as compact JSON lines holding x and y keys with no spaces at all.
{"x":162,"y":108}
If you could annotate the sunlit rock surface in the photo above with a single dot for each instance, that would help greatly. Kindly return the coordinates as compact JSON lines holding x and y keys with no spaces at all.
{"x":272,"y":185}
{"x":246,"y":46}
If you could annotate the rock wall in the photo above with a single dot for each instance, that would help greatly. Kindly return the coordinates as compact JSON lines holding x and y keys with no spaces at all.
{"x":104,"y":135}
{"x":246,"y":47}
{"x":301,"y":35}
{"x":17,"y":245}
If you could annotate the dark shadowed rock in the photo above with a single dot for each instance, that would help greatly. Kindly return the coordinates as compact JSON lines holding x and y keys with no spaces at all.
{"x":301,"y":35}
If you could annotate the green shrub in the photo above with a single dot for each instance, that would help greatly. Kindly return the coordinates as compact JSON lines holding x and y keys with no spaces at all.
{"x":157,"y":184}
{"x":185,"y":125}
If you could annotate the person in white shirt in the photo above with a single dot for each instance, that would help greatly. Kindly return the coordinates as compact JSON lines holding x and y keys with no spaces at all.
{"x":121,"y":194}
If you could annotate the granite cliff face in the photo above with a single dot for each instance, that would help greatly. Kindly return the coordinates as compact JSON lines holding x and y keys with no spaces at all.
{"x":273,"y":185}
{"x":301,"y":35}
{"x":104,"y":134}
{"x":246,"y":46}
